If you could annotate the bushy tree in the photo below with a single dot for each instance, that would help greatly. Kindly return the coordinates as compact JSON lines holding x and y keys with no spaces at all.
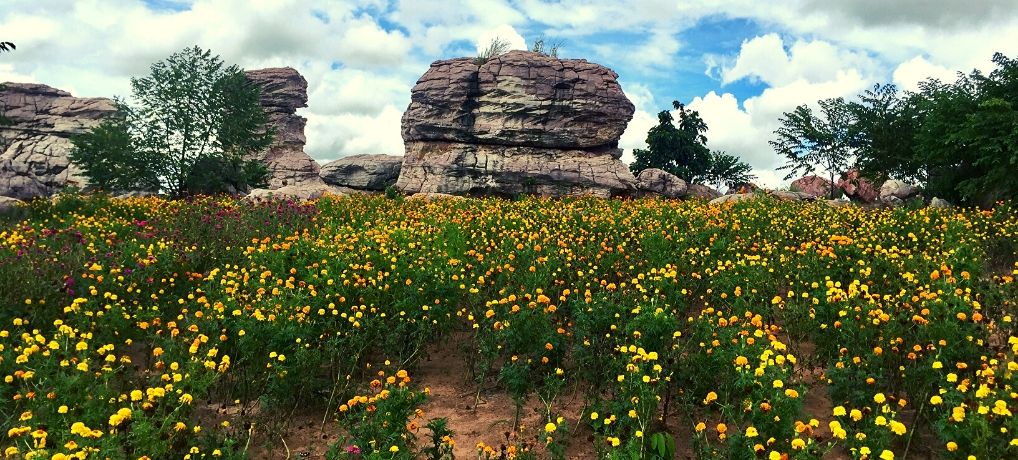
{"x":7,"y":46}
{"x":809,"y":141}
{"x":727,"y":170}
{"x":680,"y":150}
{"x":884,"y":124}
{"x":194,"y":122}
{"x":108,"y":158}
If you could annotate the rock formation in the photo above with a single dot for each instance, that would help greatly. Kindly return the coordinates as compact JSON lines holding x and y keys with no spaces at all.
{"x":34,"y":148}
{"x":858,"y":188}
{"x":816,"y":186}
{"x":521,"y":122}
{"x":777,"y":194}
{"x":363,"y":172}
{"x":283,"y":92}
{"x":655,"y":181}
{"x":701,"y":191}
{"x":896,"y":192}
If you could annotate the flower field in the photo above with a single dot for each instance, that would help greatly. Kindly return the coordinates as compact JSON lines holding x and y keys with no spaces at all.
{"x":145,"y":328}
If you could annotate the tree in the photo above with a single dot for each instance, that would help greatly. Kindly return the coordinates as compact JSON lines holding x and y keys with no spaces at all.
{"x":680,"y":150}
{"x":809,"y":141}
{"x":107,"y":156}
{"x":193,"y":116}
{"x":7,"y":46}
{"x":884,"y":124}
{"x":727,"y":170}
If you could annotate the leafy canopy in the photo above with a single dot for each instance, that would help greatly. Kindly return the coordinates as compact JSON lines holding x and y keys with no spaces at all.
{"x":809,"y":141}
{"x":194,"y":122}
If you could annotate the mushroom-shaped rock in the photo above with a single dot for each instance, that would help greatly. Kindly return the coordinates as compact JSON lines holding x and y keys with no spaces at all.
{"x":283,"y":91}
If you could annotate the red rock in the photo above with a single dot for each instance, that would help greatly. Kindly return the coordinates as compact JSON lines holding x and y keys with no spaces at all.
{"x":858,"y":188}
{"x":816,"y":186}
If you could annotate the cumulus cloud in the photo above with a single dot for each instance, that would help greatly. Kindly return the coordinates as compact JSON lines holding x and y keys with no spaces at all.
{"x":504,"y":32}
{"x":909,"y":74}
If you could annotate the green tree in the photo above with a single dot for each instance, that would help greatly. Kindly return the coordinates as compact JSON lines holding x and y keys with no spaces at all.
{"x":193,"y":124}
{"x":967,"y":134}
{"x":7,"y":46}
{"x":108,"y":158}
{"x":727,"y":170}
{"x":884,"y":124}
{"x":192,"y":108}
{"x":809,"y":141}
{"x":680,"y":150}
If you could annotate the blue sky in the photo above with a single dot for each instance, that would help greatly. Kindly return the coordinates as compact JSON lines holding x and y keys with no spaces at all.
{"x":740,"y":63}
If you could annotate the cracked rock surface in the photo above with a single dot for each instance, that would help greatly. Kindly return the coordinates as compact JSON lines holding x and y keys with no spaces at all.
{"x":34,"y":148}
{"x":521,"y":122}
{"x":284,"y":91}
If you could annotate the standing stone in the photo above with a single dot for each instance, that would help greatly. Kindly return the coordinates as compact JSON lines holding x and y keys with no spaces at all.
{"x":659,"y":182}
{"x":363,"y":172}
{"x":284,"y":91}
{"x":521,"y":122}
{"x":34,"y":148}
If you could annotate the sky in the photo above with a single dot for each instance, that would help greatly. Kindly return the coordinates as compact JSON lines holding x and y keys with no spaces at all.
{"x":739,"y":63}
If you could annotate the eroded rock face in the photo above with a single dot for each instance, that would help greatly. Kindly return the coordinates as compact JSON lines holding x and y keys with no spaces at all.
{"x":34,"y":148}
{"x":816,"y":186}
{"x":284,"y":91}
{"x":858,"y":188}
{"x":659,"y":182}
{"x":522,"y":122}
{"x":363,"y":172}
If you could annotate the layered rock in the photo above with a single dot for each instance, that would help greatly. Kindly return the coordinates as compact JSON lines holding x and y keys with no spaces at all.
{"x":521,"y":122}
{"x":816,"y":186}
{"x":363,"y":172}
{"x":34,"y":147}
{"x":284,"y":91}
{"x":858,"y":188}
{"x":655,"y":181}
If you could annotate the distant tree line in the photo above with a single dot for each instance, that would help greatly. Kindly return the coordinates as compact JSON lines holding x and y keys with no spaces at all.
{"x":958,"y":140}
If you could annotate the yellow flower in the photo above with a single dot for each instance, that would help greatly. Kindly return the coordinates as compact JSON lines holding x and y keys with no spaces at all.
{"x":711,"y":397}
{"x":394,"y":449}
{"x":751,"y":432}
{"x":879,"y":398}
{"x":952,"y":446}
{"x":798,"y":444}
{"x":549,"y":427}
{"x":839,"y":411}
{"x":886,"y":455}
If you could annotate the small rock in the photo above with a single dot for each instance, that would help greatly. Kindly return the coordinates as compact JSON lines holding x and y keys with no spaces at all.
{"x":8,"y":204}
{"x":300,"y":192}
{"x":659,"y":182}
{"x":939,"y":203}
{"x":896,"y":191}
{"x":701,"y":191}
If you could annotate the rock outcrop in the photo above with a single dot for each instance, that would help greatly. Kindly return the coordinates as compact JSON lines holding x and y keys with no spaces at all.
{"x":521,"y":122}
{"x":34,"y":147}
{"x":776,"y":194}
{"x":858,"y":188}
{"x":8,"y":204}
{"x":701,"y":191}
{"x":895,"y":192}
{"x":653,"y":181}
{"x":302,"y":191}
{"x":284,"y":91}
{"x":363,"y":172}
{"x":816,"y":186}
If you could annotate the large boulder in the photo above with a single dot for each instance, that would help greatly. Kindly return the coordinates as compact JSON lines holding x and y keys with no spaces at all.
{"x":815,"y":186}
{"x":363,"y":172}
{"x":521,"y":122}
{"x":896,"y":192}
{"x":34,"y":147}
{"x":701,"y":191}
{"x":284,"y":91}
{"x":655,"y":181}
{"x":302,"y":191}
{"x":858,"y":188}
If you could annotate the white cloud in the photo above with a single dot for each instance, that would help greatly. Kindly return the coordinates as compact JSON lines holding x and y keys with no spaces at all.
{"x":504,"y":32}
{"x":336,"y":136}
{"x":764,"y":58}
{"x":909,"y":74}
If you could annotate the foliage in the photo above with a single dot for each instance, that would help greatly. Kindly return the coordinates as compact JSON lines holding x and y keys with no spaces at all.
{"x":809,"y":141}
{"x":628,"y":328}
{"x":7,"y":46}
{"x":496,"y":47}
{"x":728,"y":170}
{"x":107,"y":157}
{"x":884,"y":123}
